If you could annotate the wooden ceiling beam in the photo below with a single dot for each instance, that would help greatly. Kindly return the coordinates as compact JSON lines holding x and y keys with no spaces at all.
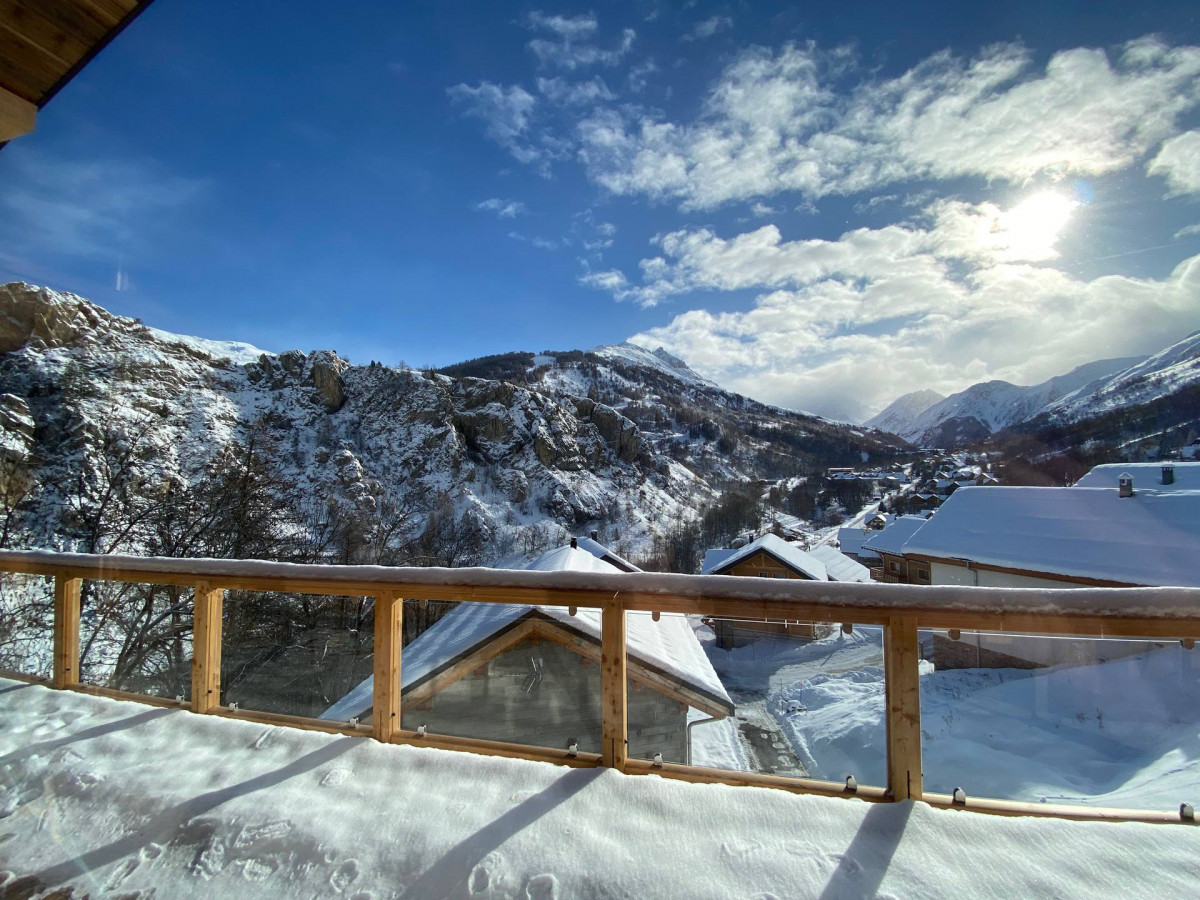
{"x":17,"y":116}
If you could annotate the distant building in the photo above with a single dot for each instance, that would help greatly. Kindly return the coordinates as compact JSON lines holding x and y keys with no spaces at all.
{"x":767,"y":557}
{"x":889,"y":544}
{"x":531,"y":674}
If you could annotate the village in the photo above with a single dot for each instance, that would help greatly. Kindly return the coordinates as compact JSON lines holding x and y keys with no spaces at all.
{"x":802,"y":698}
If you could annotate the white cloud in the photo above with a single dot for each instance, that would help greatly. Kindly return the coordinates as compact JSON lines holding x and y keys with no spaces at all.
{"x":504,"y":209}
{"x":505,"y":112}
{"x":707,"y":28}
{"x":571,"y":45}
{"x":639,"y":75}
{"x":774,"y":122}
{"x":540,"y":242}
{"x":846,"y":347}
{"x":1179,"y":163}
{"x":1187,"y":231}
{"x":574,"y":93}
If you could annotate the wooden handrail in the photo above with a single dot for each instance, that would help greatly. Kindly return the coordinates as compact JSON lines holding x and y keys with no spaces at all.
{"x":900,"y":609}
{"x":1171,"y":612}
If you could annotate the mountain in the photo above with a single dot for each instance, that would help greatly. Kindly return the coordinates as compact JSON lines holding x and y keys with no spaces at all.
{"x":901,"y":412}
{"x":117,"y":437}
{"x":1143,"y":381}
{"x":986,"y":408}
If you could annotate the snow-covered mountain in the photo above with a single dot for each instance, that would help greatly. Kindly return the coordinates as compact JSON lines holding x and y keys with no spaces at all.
{"x":986,"y":408}
{"x":623,"y":440}
{"x":899,"y":415}
{"x":1143,"y":381}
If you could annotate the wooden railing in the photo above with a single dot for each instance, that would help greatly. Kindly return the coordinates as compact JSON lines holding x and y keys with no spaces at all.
{"x":901,"y":610}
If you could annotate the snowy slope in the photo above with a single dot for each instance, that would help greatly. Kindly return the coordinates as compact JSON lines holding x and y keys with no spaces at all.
{"x":658,"y":359}
{"x":898,"y":416}
{"x":618,"y":443}
{"x":107,"y":798}
{"x":1164,"y":373}
{"x":987,"y":407}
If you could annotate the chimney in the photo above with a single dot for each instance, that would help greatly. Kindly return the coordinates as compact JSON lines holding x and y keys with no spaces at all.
{"x":1168,"y":474}
{"x":574,"y":544}
{"x":1125,"y":486}
{"x":595,"y":535}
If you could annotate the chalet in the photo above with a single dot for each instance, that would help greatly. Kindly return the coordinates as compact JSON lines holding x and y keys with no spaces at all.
{"x":1154,"y":476}
{"x":1122,"y":534}
{"x":531,"y":674}
{"x":850,"y":541}
{"x":773,"y":557}
{"x":889,"y":544}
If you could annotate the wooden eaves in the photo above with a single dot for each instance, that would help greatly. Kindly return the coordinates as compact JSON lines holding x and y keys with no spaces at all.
{"x":44,"y":44}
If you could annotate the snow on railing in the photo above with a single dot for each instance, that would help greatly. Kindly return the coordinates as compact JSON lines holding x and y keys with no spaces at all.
{"x":900,"y":609}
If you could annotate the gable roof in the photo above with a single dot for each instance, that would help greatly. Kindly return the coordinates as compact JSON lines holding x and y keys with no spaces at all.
{"x":668,"y":646}
{"x":1150,"y":538}
{"x":851,"y":538}
{"x":789,"y":555}
{"x":1145,"y":476}
{"x":599,"y":551}
{"x":893,"y":538}
{"x":839,"y":566}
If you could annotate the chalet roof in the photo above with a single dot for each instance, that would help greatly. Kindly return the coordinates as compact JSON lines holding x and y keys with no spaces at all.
{"x":839,"y":566}
{"x":893,"y":538}
{"x":1145,"y":475}
{"x":668,"y":646}
{"x":47,"y":44}
{"x":851,"y":539}
{"x":599,"y":551}
{"x":789,"y":555}
{"x":1150,"y":538}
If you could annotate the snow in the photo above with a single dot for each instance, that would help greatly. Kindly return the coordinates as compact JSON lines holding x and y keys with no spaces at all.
{"x":108,"y":798}
{"x":894,"y":538}
{"x":1118,"y":734}
{"x":788,"y":554}
{"x":668,"y":645}
{"x":1150,"y":538}
{"x":237,"y":351}
{"x":839,"y":566}
{"x":658,"y":359}
{"x":1145,"y":475}
{"x":714,"y":558}
{"x":601,"y":552}
{"x":851,"y":539}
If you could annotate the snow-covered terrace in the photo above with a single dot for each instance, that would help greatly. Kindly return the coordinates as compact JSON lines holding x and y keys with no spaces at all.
{"x":109,"y":798}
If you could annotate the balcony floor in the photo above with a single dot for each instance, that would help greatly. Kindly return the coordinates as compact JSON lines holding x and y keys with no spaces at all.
{"x":109,"y":798}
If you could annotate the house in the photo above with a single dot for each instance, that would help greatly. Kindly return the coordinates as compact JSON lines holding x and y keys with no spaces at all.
{"x":1111,"y":536}
{"x":850,"y":540}
{"x":889,"y":544}
{"x":767,"y":557}
{"x":598,"y":550}
{"x":1155,"y":476}
{"x":840,"y":567}
{"x":531,"y":674}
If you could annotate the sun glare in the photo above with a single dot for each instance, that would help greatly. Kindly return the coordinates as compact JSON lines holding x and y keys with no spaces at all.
{"x":1032,"y":227}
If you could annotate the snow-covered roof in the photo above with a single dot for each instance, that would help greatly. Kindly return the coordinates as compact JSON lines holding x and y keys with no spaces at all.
{"x":893,"y":538}
{"x":1145,"y":475}
{"x":787,"y":554}
{"x":599,"y":551}
{"x":714,"y":557}
{"x":668,"y":645}
{"x":851,"y":539}
{"x":839,"y":566}
{"x":1151,"y":538}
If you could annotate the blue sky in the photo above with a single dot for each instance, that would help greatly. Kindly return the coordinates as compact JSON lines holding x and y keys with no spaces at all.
{"x":821,"y":206}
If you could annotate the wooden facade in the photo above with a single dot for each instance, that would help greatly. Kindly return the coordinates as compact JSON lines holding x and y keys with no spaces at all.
{"x":737,"y":633}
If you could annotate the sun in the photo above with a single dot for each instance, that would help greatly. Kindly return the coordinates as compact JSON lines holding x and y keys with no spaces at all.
{"x":1030,"y":230}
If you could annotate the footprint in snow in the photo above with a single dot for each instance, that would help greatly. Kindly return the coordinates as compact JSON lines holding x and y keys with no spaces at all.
{"x":542,"y":887}
{"x":257,"y":870}
{"x":335,"y":777}
{"x":344,"y":875}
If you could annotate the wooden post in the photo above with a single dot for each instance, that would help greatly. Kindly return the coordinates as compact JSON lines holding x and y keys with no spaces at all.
{"x":385,"y":706}
{"x":901,"y":661}
{"x":615,"y":729}
{"x":66,"y":631}
{"x":206,"y":648}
